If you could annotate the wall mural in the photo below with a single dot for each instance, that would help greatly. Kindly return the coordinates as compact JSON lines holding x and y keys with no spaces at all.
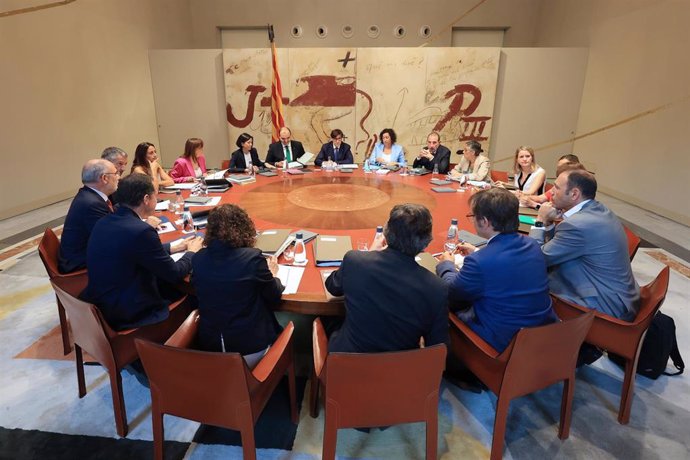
{"x":362,"y":91}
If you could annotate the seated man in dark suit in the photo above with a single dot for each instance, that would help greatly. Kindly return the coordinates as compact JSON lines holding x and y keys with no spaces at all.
{"x":129,"y":266}
{"x":504,"y":284}
{"x":434,"y":154}
{"x":100,"y":179}
{"x":285,"y":148}
{"x":390,"y":300}
{"x":336,"y":150}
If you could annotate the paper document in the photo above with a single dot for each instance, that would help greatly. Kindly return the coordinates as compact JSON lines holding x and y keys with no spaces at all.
{"x":183,"y":186}
{"x":165,"y":227}
{"x":290,"y":277}
{"x":163,"y":205}
{"x":349,"y":166}
{"x":217,"y":174}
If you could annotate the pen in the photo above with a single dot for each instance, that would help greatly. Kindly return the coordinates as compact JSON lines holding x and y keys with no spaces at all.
{"x":222,"y":343}
{"x":436,"y":254}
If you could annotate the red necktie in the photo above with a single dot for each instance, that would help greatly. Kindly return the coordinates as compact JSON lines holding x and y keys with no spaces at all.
{"x":110,"y":205}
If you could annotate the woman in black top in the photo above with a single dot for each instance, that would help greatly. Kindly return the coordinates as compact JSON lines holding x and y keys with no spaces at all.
{"x":246,"y":156}
{"x":236,"y":287}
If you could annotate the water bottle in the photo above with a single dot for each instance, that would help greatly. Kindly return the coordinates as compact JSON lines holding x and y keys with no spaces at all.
{"x":379,"y":239}
{"x":435,"y":171}
{"x":179,"y":202}
{"x":285,"y":167}
{"x":367,"y":169}
{"x":300,"y":250}
{"x":403,"y":168}
{"x":452,"y":236}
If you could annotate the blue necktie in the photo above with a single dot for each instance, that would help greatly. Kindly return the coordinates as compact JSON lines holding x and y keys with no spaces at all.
{"x":335,"y":154}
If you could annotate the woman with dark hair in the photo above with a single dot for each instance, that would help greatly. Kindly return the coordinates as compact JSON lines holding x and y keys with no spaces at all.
{"x":236,"y":287}
{"x":146,"y":162}
{"x":472,"y":166}
{"x":387,"y":152}
{"x":246,"y":157}
{"x":192,"y":164}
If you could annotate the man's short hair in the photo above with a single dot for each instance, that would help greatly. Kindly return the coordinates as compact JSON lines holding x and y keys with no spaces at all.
{"x":92,"y":170}
{"x":133,"y":188}
{"x":570,"y":158}
{"x":584,"y":181}
{"x":434,"y":133}
{"x":409,"y":228}
{"x":568,"y":167}
{"x":499,"y":207}
{"x":111,"y":154}
{"x":336,"y":132}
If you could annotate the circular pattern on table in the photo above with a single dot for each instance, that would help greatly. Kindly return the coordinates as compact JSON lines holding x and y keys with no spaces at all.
{"x":338,"y":203}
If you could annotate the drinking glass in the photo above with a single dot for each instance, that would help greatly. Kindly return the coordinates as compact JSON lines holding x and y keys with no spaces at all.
{"x":362,"y":244}
{"x":289,"y":254}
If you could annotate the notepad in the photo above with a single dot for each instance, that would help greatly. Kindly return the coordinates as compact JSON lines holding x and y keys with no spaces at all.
{"x":427,"y":261}
{"x":474,"y":240}
{"x":329,"y":250}
{"x":273,"y":241}
{"x":443,"y":189}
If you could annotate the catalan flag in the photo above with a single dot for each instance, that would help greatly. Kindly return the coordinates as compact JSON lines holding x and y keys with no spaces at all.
{"x":277,"y":119}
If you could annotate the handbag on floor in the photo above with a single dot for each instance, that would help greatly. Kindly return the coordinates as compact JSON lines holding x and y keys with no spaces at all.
{"x":658,"y":346}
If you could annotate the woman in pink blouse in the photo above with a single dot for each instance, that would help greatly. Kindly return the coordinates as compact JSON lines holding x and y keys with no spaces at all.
{"x":192,"y":164}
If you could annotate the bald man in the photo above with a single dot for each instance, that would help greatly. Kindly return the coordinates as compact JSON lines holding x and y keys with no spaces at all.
{"x":284,"y":148}
{"x":100,"y":179}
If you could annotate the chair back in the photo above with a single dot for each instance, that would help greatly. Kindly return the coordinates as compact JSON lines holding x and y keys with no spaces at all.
{"x":499,"y":175}
{"x":547,"y":186}
{"x":48,"y":250}
{"x":541,"y":356}
{"x":89,"y":329}
{"x":380,"y":389}
{"x":225,"y":164}
{"x":633,"y":242}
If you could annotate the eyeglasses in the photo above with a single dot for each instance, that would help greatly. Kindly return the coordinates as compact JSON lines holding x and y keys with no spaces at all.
{"x":469,"y":215}
{"x":115,"y":173}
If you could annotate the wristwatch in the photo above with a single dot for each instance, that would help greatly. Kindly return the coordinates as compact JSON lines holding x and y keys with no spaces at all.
{"x":539,"y":224}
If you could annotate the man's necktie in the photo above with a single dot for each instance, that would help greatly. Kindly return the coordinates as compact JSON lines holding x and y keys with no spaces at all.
{"x":288,"y":155}
{"x":335,"y":154}
{"x":110,"y":205}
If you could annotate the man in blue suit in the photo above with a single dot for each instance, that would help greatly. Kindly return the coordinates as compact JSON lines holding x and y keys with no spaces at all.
{"x":502,"y":287}
{"x":587,"y":253}
{"x":100,"y":179}
{"x":336,"y":150}
{"x":130,"y":270}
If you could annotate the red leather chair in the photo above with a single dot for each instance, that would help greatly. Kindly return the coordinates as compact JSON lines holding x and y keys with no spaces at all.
{"x":621,"y":337}
{"x":536,"y":358}
{"x":72,"y":283}
{"x":214,"y":388}
{"x":376,"y":389}
{"x":499,"y":175}
{"x":633,"y":242}
{"x":113,"y":350}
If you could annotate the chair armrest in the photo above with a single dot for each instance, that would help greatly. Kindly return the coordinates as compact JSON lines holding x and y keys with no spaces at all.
{"x":74,"y":274}
{"x":186,"y":333}
{"x":472,"y":336}
{"x":268,"y":363}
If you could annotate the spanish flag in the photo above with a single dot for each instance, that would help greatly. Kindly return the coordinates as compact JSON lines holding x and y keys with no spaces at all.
{"x":277,"y":119}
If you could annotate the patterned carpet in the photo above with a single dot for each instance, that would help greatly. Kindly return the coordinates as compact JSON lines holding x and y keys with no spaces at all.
{"x":42,"y":417}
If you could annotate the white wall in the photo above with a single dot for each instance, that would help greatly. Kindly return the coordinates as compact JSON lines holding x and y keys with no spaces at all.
{"x":75,"y":79}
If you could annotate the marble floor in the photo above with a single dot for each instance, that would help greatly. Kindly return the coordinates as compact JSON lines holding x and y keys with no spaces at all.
{"x":41,"y":394}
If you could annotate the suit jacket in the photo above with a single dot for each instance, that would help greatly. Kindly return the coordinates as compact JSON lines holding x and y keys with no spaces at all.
{"x":441,"y":158}
{"x":327,"y":150}
{"x":236,"y":292}
{"x":237,"y":163}
{"x":587,"y":256}
{"x":480,"y":170}
{"x":125,"y":259}
{"x":86,"y":209}
{"x":390,"y":301}
{"x":276,"y":152}
{"x":184,"y":168}
{"x":506,"y":284}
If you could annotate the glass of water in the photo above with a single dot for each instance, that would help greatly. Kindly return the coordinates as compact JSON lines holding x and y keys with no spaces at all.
{"x":289,"y":254}
{"x":362,"y":244}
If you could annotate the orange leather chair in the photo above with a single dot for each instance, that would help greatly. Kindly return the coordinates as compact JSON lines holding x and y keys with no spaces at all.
{"x":633,"y":242}
{"x":621,"y":337}
{"x":376,"y":389}
{"x":536,"y":358}
{"x":225,"y":164}
{"x":113,"y":350}
{"x":72,"y":283}
{"x":499,"y":175}
{"x":214,"y":388}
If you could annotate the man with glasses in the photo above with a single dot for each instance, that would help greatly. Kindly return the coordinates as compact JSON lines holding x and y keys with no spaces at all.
{"x":284,"y":150}
{"x":336,"y":150}
{"x":116,"y":156}
{"x":434,"y":154}
{"x":100,"y":179}
{"x":504,"y":286}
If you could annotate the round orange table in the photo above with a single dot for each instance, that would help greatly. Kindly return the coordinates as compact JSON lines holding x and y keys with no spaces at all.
{"x":335,"y":203}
